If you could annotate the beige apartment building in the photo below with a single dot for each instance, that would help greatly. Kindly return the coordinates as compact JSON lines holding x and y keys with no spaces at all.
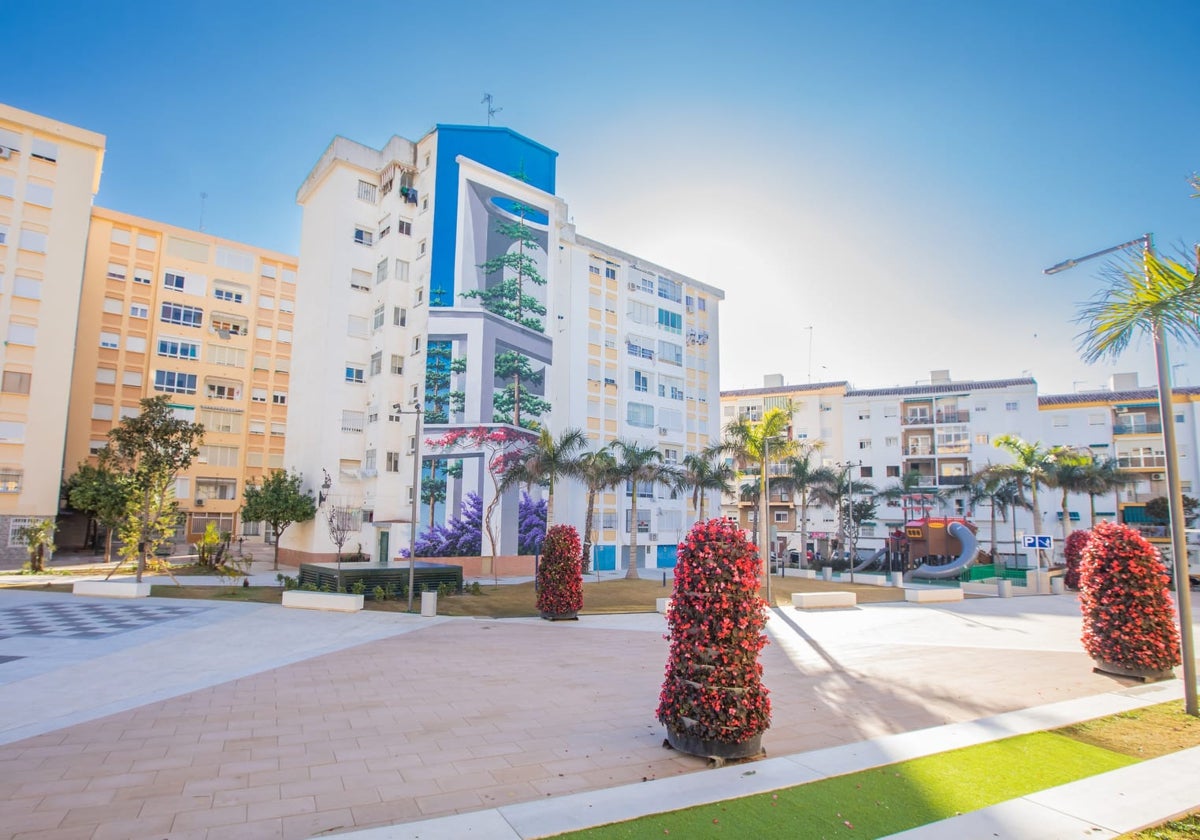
{"x":202,"y":320}
{"x":49,"y":173}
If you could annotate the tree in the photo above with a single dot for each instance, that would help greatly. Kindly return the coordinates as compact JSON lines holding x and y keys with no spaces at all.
{"x":803,"y":476}
{"x":640,"y":466}
{"x":912,"y":497}
{"x":1032,"y":466}
{"x":548,"y":459}
{"x":1069,"y":474}
{"x":340,"y":520}
{"x":993,"y":487}
{"x":279,"y":502}
{"x":598,"y":472}
{"x":1159,"y":509}
{"x":150,"y":450}
{"x":531,"y":524}
{"x":1103,"y":476}
{"x":103,"y":495}
{"x":705,"y":471}
{"x":754,"y":445}
{"x":837,"y":494}
{"x":38,"y":537}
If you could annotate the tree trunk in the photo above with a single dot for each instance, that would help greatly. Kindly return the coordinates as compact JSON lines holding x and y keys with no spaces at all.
{"x":804,"y":528}
{"x":278,"y":534}
{"x":550,"y":505}
{"x":631,"y":572}
{"x":587,"y":530}
{"x":108,"y":537}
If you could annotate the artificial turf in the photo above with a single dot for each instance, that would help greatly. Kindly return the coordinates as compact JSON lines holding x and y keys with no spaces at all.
{"x":884,"y":800}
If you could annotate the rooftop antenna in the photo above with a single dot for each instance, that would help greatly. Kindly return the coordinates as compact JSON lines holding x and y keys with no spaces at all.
{"x":203,"y":198}
{"x":491,"y":109}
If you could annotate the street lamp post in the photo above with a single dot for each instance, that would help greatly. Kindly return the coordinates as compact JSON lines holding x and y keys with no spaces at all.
{"x":416,"y":495}
{"x":1174,"y":488}
{"x":851,"y":542}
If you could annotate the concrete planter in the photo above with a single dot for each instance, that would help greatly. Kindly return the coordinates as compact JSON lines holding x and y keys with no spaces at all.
{"x":428,"y":604}
{"x":331,"y":601}
{"x":112,"y":588}
{"x":662,"y":605}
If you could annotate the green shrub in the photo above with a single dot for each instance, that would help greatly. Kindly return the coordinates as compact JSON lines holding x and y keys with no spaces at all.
{"x":378,"y":594}
{"x":359,"y":587}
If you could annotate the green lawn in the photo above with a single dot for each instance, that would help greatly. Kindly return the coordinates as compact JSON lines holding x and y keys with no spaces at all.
{"x":885,"y":800}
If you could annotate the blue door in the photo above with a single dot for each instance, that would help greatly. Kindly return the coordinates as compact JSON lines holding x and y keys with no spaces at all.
{"x":605,"y":558}
{"x":666,"y":556}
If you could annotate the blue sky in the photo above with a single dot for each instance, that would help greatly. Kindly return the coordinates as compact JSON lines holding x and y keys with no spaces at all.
{"x":895,"y":175}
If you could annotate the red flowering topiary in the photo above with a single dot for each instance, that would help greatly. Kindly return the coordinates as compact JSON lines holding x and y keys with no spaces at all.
{"x":1128,"y":619}
{"x":1073,"y":551}
{"x":560,"y":575}
{"x":713,"y":688}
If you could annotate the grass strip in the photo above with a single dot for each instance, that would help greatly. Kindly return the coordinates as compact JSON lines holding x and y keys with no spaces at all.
{"x":884,"y":800}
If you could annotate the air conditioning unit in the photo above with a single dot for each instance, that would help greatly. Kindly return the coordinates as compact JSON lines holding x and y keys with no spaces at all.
{"x":199,"y":502}
{"x":5,"y":152}
{"x":662,"y":430}
{"x":633,"y":286}
{"x":1157,"y":476}
{"x":653,"y":537}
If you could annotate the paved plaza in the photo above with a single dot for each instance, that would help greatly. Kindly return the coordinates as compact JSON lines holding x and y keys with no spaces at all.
{"x":202,"y":719}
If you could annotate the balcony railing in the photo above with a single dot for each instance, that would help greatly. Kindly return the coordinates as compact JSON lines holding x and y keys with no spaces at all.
{"x":917,"y":419}
{"x":1137,"y":428}
{"x":918,"y":449}
{"x":954,"y":448}
{"x":960,"y":415}
{"x":1133,"y":462}
{"x":953,"y":480}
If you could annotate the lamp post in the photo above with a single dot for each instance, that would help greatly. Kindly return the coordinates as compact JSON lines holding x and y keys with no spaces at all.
{"x":764,"y":507}
{"x":851,"y":542}
{"x":416,"y":496}
{"x":1174,"y":488}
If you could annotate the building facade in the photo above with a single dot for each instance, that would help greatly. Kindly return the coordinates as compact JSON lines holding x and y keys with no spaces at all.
{"x":205,"y":321}
{"x":443,"y":275}
{"x":49,"y":173}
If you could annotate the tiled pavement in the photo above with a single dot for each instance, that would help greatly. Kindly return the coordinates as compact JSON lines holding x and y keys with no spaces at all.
{"x":253,"y":721}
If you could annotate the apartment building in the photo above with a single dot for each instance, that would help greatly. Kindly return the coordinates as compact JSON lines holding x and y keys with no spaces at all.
{"x":444,"y":274}
{"x":207,"y":322}
{"x":49,"y":173}
{"x":1124,"y":422}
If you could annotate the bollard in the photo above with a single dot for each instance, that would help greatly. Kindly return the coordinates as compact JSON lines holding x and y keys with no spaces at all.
{"x":664,"y":578}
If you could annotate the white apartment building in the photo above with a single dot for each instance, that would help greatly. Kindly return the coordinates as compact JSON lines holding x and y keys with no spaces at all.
{"x":444,"y":274}
{"x":49,"y":173}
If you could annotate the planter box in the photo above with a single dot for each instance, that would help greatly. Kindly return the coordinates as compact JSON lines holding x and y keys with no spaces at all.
{"x":662,"y":605}
{"x":814,"y":600}
{"x":112,"y":588}
{"x":811,"y":574}
{"x":332,"y":601}
{"x":867,"y":579}
{"x":428,"y":604}
{"x":933,"y":596}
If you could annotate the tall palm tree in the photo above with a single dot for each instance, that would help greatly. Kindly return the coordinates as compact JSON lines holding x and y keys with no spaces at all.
{"x":598,"y":472}
{"x":639,"y":465}
{"x":838,"y":493}
{"x":1069,"y":474}
{"x":1031,"y":467}
{"x":905,"y":489}
{"x":987,"y":485}
{"x":704,"y":471}
{"x":1010,"y":494}
{"x":1103,"y":476}
{"x":755,"y":445}
{"x":548,"y":459}
{"x":803,"y":476}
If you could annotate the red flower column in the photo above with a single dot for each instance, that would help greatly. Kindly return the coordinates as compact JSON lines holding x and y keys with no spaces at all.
{"x":713,"y":702}
{"x":1128,"y":620}
{"x":1073,"y":551}
{"x":560,"y":574}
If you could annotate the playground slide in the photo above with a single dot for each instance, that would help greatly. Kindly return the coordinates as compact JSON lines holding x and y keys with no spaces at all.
{"x":871,"y":561}
{"x":957,"y":566}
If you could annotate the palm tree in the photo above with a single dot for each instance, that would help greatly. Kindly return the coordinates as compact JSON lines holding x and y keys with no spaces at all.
{"x":905,"y":489}
{"x":704,"y":471}
{"x":987,"y":485}
{"x":548,"y":459}
{"x":639,"y":465}
{"x":803,"y":476}
{"x":756,"y":444}
{"x":1069,"y":474}
{"x":1009,"y":494}
{"x":598,"y":472}
{"x":1103,"y":476}
{"x":1031,"y":468}
{"x":838,"y":493}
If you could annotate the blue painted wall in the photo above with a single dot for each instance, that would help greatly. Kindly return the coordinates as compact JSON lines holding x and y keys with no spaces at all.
{"x":604,"y":558}
{"x":667,"y":555}
{"x":497,"y":148}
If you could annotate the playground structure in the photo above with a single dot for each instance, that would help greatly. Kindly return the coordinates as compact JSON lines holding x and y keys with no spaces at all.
{"x":930,"y":537}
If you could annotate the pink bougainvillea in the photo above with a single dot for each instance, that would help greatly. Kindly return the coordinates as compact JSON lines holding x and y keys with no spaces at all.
{"x":1073,"y":551}
{"x":560,"y":574}
{"x":713,"y":688}
{"x":1128,"y":618}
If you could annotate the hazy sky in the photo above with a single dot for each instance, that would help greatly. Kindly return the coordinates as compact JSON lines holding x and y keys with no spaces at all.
{"x":894,"y":174}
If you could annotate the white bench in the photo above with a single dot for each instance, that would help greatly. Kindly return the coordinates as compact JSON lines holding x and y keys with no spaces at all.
{"x":933,"y":596}
{"x":816,"y":600}
{"x":112,"y":588}
{"x":331,"y":601}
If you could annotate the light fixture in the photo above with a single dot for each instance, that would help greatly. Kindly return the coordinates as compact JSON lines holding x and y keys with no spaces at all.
{"x":325,"y":485}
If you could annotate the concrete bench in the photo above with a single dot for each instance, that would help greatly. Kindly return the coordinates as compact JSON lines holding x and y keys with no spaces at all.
{"x":332,"y":601}
{"x":662,"y":605}
{"x":112,"y":588}
{"x":816,"y":600}
{"x":933,"y":596}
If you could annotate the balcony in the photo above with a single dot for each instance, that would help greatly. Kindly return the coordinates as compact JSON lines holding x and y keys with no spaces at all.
{"x":921,"y":419}
{"x":953,"y":480}
{"x":918,"y":449}
{"x":1135,"y":462}
{"x":954,"y":449}
{"x":1137,"y":428}
{"x":953,"y":416}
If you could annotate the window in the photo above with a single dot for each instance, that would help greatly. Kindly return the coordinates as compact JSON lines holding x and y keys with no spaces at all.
{"x":15,"y":382}
{"x":10,"y":482}
{"x":7,"y":186}
{"x":366,"y":192}
{"x":892,"y":472}
{"x":44,"y":150}
{"x":354,"y":374}
{"x":267,"y":270}
{"x":419,"y":295}
{"x":983,"y":439}
{"x":891,"y":440}
{"x":594,"y":269}
{"x":258,"y":395}
{"x":864,"y":414}
{"x":112,"y":306}
{"x":221,"y":354}
{"x":864,"y":443}
{"x":147,"y":243}
{"x":608,"y":521}
{"x":610,"y":272}
{"x":174,"y":382}
{"x":363,"y":236}
{"x":139,"y":310}
{"x":283,"y":337}
{"x":279,"y":397}
{"x":381,"y":271}
{"x":135,"y":343}
{"x":40,"y":194}
{"x":670,"y":321}
{"x":110,"y":340}
{"x":251,"y":529}
{"x":376,"y":363}
{"x":393,"y":462}
{"x":421,"y":247}
{"x":217,"y":456}
{"x":641,"y":382}
{"x":369,"y":462}
{"x":404,"y":228}
{"x":258,"y":427}
{"x":640,"y":414}
{"x":670,"y":290}
{"x":377,"y":318}
{"x":360,"y":281}
{"x":116,"y":271}
{"x":287,"y":305}
{"x":262,"y":331}
{"x":399,"y":316}
{"x":141,"y":275}
{"x":356,"y":327}
{"x":172,"y":280}
{"x":1060,"y":421}
{"x":1010,"y":406}
{"x":132,"y":378}
{"x":266,"y":302}
{"x":416,"y":344}
{"x":781,"y":516}
{"x":278,"y":428}
{"x":188,"y":316}
{"x":866,"y":472}
{"x":177,"y":348}
{"x":33,"y":240}
{"x":670,"y":353}
{"x":397,"y":363}
{"x":220,"y":489}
